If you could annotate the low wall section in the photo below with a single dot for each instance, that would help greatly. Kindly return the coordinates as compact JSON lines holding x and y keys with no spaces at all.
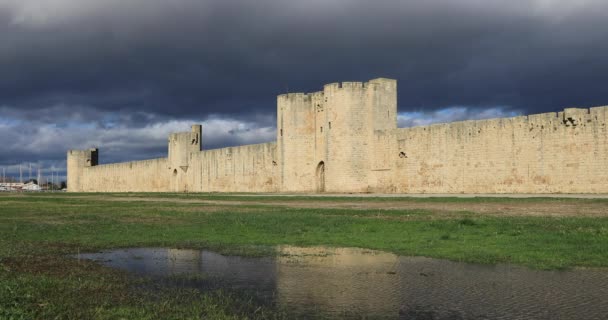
{"x":249,"y":168}
{"x":137,"y":176}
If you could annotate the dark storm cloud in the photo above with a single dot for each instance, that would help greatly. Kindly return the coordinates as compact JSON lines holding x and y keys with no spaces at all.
{"x":184,"y":57}
{"x":84,"y":69}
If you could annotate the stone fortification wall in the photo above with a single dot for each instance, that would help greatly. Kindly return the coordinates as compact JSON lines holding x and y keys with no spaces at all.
{"x":349,"y":112}
{"x":325,"y":138}
{"x":250,"y":168}
{"x":565,"y":152}
{"x":356,"y":110}
{"x":296,"y":142}
{"x":137,"y":176}
{"x":345,"y":139}
{"x":77,"y":162}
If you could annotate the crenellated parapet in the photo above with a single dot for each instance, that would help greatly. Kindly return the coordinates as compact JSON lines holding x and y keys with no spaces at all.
{"x":344,"y":138}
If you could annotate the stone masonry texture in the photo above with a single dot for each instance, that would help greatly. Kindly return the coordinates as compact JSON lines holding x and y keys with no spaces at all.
{"x":345,"y":139}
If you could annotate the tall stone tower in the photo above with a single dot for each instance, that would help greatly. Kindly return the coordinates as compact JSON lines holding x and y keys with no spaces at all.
{"x":324,"y":139}
{"x":181,"y":145}
{"x":77,"y":160}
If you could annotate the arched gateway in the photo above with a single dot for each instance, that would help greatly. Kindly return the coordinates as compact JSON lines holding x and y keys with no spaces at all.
{"x":321,"y":177}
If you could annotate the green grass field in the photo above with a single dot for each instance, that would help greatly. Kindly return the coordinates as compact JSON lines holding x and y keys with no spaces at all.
{"x":38,"y":231}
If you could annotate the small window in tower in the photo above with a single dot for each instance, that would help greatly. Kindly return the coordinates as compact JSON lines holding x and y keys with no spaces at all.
{"x":281,"y":132}
{"x":321,"y":129}
{"x":330,"y":124}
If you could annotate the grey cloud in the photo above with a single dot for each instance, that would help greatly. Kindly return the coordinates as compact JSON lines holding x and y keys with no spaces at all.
{"x":29,"y":143}
{"x":423,"y":118}
{"x":78,"y":68}
{"x":191,"y":57}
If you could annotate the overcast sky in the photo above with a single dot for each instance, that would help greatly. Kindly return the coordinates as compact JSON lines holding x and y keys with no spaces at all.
{"x":122,"y":74}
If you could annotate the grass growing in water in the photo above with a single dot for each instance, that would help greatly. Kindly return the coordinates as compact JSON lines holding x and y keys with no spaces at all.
{"x":38,"y":230}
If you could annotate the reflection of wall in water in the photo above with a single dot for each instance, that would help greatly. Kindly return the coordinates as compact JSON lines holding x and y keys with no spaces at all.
{"x":384,"y":284}
{"x":153,"y":261}
{"x":257,"y":274}
{"x":240,"y":272}
{"x":338,"y":279}
{"x":184,"y":261}
{"x":232,"y":272}
{"x":493,"y":291}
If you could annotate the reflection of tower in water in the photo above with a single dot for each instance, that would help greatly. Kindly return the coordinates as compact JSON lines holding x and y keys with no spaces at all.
{"x":339,"y":283}
{"x":184,"y":261}
{"x":254,"y":275}
{"x":339,"y":280}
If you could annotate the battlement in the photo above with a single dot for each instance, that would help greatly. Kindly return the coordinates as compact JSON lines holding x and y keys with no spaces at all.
{"x":350,"y":85}
{"x":292,"y":95}
{"x":302,"y":100}
{"x":291,"y":98}
{"x":569,"y":117}
{"x":344,"y":85}
{"x":344,"y":138}
{"x":332,"y":87}
{"x":85,"y":158}
{"x":194,"y":133}
{"x":582,"y":116}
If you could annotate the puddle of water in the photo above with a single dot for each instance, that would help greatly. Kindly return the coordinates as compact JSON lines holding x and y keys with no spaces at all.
{"x":335,"y":282}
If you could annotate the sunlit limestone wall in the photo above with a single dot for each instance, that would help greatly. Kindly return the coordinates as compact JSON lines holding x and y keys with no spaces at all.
{"x":355,"y":111}
{"x":325,"y":138}
{"x":295,"y":142}
{"x":565,"y":152}
{"x":137,"y":176}
{"x":384,"y":110}
{"x":250,"y":168}
{"x":386,"y":162}
{"x":345,"y":139}
{"x":77,"y":161}
{"x":181,"y":146}
{"x":322,"y":130}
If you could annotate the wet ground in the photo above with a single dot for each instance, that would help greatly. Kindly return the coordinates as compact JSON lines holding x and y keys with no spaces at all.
{"x":344,"y":282}
{"x":503,"y":206}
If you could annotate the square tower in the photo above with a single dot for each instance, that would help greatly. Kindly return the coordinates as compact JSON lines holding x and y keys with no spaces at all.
{"x":77,"y":161}
{"x":325,"y":139}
